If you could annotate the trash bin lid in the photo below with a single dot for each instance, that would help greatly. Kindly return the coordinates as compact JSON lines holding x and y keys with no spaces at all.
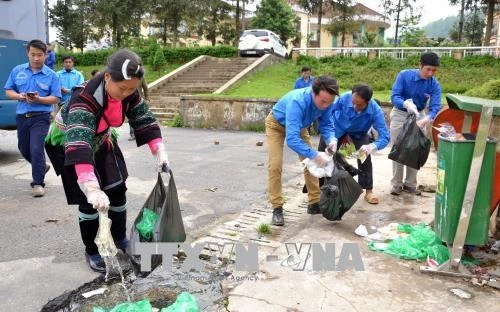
{"x":471,"y":104}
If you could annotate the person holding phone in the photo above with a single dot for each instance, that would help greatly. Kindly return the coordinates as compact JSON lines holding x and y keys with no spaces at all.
{"x":36,"y":88}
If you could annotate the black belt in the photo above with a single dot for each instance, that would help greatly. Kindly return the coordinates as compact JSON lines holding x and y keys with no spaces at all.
{"x":32,"y":114}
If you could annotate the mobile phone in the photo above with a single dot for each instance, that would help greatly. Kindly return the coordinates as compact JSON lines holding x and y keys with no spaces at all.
{"x":30,"y":93}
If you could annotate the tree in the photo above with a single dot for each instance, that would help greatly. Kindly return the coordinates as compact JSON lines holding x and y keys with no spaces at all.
{"x":405,"y":12}
{"x":276,"y":16}
{"x":314,"y":7}
{"x":474,"y":25}
{"x":415,"y":38}
{"x":169,"y":16}
{"x":121,"y":17}
{"x":71,"y":26}
{"x":213,"y":12}
{"x":369,"y":39}
{"x":344,"y":21}
{"x":489,"y":20}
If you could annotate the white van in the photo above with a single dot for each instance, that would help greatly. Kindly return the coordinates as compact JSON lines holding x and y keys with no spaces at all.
{"x":261,"y":41}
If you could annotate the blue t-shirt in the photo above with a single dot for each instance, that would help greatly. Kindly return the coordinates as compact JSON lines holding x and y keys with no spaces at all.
{"x":23,"y":80}
{"x":301,"y":83}
{"x":295,"y":111}
{"x":68,"y":81}
{"x":348,"y":121}
{"x":409,"y":85}
{"x":50,"y":60}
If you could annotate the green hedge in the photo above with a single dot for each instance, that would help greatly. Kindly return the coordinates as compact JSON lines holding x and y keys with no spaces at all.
{"x":172,"y":55}
{"x":489,"y":90}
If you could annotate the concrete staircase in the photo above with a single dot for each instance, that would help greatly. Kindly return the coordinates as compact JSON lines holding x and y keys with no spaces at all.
{"x":205,"y":76}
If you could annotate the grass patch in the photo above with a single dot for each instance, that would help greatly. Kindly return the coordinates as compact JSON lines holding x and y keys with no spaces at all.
{"x":455,"y":76}
{"x":176,"y":122}
{"x":254,"y":127}
{"x":264,"y":229}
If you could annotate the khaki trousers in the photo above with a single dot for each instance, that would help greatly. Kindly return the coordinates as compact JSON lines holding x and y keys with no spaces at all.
{"x":276,"y":134}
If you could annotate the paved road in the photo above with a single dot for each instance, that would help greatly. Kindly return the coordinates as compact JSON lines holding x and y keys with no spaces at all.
{"x":41,"y":251}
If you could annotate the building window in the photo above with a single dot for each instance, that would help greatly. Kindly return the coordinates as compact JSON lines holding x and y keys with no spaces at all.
{"x":355,"y":37}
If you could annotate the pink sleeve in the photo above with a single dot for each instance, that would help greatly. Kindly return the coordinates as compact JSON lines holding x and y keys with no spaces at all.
{"x":85,"y":172}
{"x":153,"y":144}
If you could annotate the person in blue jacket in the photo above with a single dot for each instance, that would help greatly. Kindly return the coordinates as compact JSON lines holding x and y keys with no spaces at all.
{"x":305,"y":80}
{"x":353,"y":114}
{"x":413,"y":91}
{"x":288,"y":121}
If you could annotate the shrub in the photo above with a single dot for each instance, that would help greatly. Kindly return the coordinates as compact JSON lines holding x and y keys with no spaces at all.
{"x":489,"y":90}
{"x":176,"y":122}
{"x":158,"y":60}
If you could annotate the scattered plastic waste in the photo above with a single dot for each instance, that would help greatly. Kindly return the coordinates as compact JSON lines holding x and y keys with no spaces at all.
{"x":361,"y":230}
{"x":95,"y":292}
{"x":420,"y":244}
{"x":496,"y":247}
{"x":185,"y":302}
{"x":460,"y":293}
{"x":139,"y":306}
{"x":147,"y":223}
{"x":317,"y":171}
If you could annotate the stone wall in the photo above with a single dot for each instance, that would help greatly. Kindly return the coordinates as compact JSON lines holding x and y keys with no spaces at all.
{"x":231,"y":113}
{"x":225,"y":113}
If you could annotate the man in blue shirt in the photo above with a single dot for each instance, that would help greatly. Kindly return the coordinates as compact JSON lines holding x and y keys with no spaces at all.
{"x":69,"y":78}
{"x":305,"y":80}
{"x":288,"y":121}
{"x":50,"y":60}
{"x":37,"y":89}
{"x":354,"y":113}
{"x":412,"y":92}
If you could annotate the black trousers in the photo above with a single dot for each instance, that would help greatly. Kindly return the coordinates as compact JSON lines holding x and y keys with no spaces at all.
{"x":89,"y":221}
{"x":365,"y":176}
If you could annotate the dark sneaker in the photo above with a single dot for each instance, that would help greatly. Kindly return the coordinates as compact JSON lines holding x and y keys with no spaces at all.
{"x":412,"y":190}
{"x":96,"y":263}
{"x":313,"y":209}
{"x":278,"y":218}
{"x":396,"y":190}
{"x":131,"y":138}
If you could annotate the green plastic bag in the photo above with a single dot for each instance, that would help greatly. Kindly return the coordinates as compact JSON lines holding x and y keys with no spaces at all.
{"x":185,"y":302}
{"x":139,"y":306}
{"x":420,"y":243}
{"x":147,"y":223}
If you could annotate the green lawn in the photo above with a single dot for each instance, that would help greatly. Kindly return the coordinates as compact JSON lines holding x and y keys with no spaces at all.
{"x":454,"y":76}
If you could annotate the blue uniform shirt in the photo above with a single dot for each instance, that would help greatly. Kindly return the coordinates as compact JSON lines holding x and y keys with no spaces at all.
{"x":301,"y":83}
{"x":409,"y":85}
{"x":347,"y":121}
{"x":295,"y":111}
{"x":23,"y":80}
{"x":50,"y":60}
{"x":69,"y":80}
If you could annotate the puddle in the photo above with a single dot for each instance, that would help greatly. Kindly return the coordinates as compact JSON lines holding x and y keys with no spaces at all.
{"x":160,"y":287}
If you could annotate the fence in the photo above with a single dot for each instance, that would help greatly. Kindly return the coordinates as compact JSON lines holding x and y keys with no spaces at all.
{"x":400,"y":53}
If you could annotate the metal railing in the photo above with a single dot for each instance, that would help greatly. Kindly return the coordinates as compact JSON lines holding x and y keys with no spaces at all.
{"x":399,"y":53}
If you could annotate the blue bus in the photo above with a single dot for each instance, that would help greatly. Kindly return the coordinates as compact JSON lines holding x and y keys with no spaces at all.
{"x":20,"y":22}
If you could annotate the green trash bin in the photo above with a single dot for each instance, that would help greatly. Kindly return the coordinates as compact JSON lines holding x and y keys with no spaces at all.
{"x":454,"y":162}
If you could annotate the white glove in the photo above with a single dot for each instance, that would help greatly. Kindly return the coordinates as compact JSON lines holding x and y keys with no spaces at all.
{"x":410,"y":107}
{"x":423,"y":122}
{"x":332,"y":147}
{"x":95,"y":195}
{"x":322,"y":159}
{"x":161,"y":157}
{"x":368,"y":148}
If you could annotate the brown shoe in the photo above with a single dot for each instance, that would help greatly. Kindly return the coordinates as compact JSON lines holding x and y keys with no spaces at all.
{"x":37,"y":191}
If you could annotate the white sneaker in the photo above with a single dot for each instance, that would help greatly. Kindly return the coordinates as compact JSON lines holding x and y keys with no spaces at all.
{"x":38,"y":191}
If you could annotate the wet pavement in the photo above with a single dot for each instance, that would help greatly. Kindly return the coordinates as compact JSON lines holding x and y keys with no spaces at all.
{"x":222,"y":190}
{"x":42,"y":253}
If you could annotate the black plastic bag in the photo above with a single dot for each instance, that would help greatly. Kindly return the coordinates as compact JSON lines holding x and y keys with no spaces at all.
{"x":164,"y":201}
{"x":338,"y":194}
{"x":412,"y":147}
